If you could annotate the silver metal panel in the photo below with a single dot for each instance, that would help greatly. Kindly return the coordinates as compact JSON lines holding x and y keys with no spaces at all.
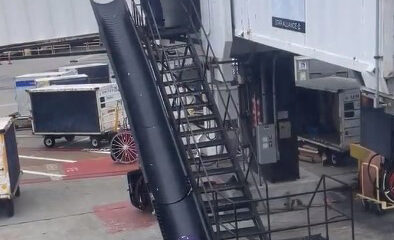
{"x":284,"y":129}
{"x":351,"y":123}
{"x":308,"y":68}
{"x":266,"y":144}
{"x":331,"y":84}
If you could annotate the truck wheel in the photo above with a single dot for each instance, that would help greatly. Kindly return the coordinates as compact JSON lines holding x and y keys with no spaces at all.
{"x":18,"y":192}
{"x":325,"y":156}
{"x":69,"y":138}
{"x":138,"y":190}
{"x":95,"y":141}
{"x":337,"y":159}
{"x":366,"y":205}
{"x":10,"y":207}
{"x":379,"y":210}
{"x":49,"y":141}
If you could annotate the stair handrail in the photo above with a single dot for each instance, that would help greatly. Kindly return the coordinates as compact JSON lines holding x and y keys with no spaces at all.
{"x":143,"y":22}
{"x":228,"y":90}
{"x":138,"y":14}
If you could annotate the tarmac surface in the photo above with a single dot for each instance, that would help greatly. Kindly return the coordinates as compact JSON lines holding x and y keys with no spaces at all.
{"x":74,"y":192}
{"x":70,"y":191}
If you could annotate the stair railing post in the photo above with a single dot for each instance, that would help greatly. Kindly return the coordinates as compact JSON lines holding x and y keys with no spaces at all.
{"x":351,"y":211}
{"x":325,"y":206}
{"x":236,"y":221}
{"x":309,"y":222}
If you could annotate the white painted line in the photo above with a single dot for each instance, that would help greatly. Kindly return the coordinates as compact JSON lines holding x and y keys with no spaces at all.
{"x":104,"y":152}
{"x":95,"y":150}
{"x":47,"y":159}
{"x":43,"y":173}
{"x":8,"y":104}
{"x":25,"y":136}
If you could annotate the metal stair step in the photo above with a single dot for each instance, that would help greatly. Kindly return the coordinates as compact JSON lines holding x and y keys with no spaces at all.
{"x":242,"y":232}
{"x":183,"y":81}
{"x":206,"y":144}
{"x":222,"y":187}
{"x":185,"y":94}
{"x":254,"y":231}
{"x":214,"y":172}
{"x":230,"y":217}
{"x":191,"y":106}
{"x":175,"y":58}
{"x":213,"y":158}
{"x":198,"y":118}
{"x":201,"y":131}
{"x":180,"y":68}
{"x":172,"y":58}
{"x":173,"y":47}
{"x":226,"y":205}
{"x":197,"y":80}
{"x":312,"y":237}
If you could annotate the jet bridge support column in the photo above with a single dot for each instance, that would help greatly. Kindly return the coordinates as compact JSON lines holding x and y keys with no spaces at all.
{"x":177,"y":209}
{"x":278,"y":87}
{"x":270,"y":91}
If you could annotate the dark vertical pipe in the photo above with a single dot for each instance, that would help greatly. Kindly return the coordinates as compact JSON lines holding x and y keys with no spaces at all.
{"x":267,"y":114}
{"x":177,"y":210}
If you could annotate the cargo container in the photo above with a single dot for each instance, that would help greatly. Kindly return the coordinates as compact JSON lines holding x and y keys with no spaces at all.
{"x":67,"y":111}
{"x":97,"y":72}
{"x":328,"y":116}
{"x":10,"y":171}
{"x":29,"y":81}
{"x":62,"y":80}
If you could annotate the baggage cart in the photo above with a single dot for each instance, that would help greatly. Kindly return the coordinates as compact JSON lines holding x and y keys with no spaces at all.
{"x":375,"y":182}
{"x":66,"y":111}
{"x":10,"y":172}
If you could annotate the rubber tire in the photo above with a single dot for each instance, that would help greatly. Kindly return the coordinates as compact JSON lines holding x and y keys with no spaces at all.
{"x":10,"y":207}
{"x":378,"y":210}
{"x":69,"y":138}
{"x":325,"y":155}
{"x":18,"y":192}
{"x":113,"y":158}
{"x":95,"y":142}
{"x":49,"y":141}
{"x":366,"y":205}
{"x":339,"y":159}
{"x":139,"y":194}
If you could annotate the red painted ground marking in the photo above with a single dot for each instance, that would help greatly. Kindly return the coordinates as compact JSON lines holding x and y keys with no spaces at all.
{"x":118,"y":217}
{"x":98,"y":167}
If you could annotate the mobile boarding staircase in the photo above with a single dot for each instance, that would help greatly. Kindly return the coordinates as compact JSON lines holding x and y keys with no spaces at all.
{"x":181,"y":63}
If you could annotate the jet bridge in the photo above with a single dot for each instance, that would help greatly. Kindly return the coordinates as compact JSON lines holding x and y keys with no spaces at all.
{"x":360,"y":39}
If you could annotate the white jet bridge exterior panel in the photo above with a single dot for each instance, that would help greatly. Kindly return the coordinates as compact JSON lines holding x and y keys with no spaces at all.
{"x":336,"y":31}
{"x":24,"y":21}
